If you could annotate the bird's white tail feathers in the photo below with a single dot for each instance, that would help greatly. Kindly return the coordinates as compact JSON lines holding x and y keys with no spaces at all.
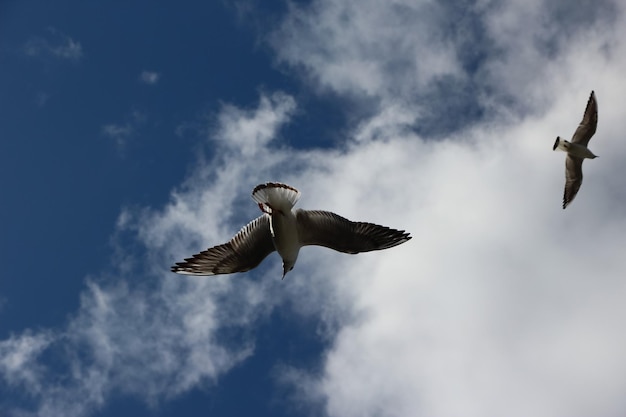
{"x":275,"y":196}
{"x":560,"y":144}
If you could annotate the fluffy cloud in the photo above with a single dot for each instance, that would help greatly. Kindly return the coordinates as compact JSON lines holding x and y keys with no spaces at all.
{"x":463,"y":58}
{"x":501,"y":304}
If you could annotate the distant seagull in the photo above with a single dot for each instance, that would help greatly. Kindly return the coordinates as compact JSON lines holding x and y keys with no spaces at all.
{"x":577,"y":150}
{"x":285,"y":230}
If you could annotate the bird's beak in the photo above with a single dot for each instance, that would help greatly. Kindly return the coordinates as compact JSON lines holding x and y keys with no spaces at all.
{"x":285,"y":270}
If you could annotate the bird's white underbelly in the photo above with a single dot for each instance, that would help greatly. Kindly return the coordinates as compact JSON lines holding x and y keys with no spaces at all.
{"x":579,"y":151}
{"x":285,"y":235}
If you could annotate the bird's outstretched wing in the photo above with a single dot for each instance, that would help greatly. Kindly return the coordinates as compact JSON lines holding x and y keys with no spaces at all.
{"x":324,"y":228}
{"x":573,"y":178}
{"x":587,"y":126}
{"x":243,"y":252}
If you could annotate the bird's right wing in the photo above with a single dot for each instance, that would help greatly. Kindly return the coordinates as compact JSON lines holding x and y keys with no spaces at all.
{"x":573,"y":178}
{"x":243,"y":252}
{"x":328,"y":229}
{"x":587,"y":126}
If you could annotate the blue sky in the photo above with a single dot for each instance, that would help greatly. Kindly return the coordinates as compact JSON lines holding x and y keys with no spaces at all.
{"x":133,"y":134}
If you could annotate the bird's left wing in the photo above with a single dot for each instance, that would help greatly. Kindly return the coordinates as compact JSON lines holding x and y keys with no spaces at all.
{"x":573,"y":178}
{"x":243,"y":252}
{"x":587,"y":126}
{"x":324,"y":228}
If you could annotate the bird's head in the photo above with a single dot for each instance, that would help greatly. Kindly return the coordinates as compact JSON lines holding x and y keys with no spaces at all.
{"x":287,"y":266}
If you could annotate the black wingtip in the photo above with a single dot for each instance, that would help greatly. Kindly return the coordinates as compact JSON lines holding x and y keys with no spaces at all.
{"x":401,"y":237}
{"x":556,"y":143}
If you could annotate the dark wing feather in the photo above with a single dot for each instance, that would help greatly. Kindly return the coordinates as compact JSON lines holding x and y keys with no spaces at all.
{"x":243,"y":252}
{"x":324,"y":228}
{"x":573,"y":178}
{"x":587,"y":126}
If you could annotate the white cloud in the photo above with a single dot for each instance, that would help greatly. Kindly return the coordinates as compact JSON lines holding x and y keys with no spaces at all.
{"x":145,"y":331}
{"x":149,"y":77}
{"x":16,"y":359}
{"x":484,"y":312}
{"x":501,"y":304}
{"x":114,"y":130}
{"x":449,"y":62}
{"x":120,"y":133}
{"x":360,"y":47}
{"x":248,"y":131}
{"x":56,"y":44}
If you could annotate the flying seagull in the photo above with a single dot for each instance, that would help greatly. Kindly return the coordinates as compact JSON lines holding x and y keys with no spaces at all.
{"x":577,"y":150}
{"x":286,"y":230}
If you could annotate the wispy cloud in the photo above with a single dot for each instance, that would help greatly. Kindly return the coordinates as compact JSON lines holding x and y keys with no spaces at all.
{"x":18,"y":355}
{"x":56,"y":44}
{"x":121,"y":133}
{"x":167,"y":340}
{"x":149,"y":77}
{"x":498,"y":306}
{"x":450,"y":62}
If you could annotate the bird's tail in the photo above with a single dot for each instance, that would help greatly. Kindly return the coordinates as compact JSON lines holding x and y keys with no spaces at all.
{"x":275,"y":196}
{"x":560,"y":144}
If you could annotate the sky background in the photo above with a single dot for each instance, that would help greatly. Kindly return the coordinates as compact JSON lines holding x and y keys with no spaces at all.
{"x":131,"y":137}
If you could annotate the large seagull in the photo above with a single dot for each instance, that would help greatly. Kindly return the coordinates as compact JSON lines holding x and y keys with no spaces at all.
{"x":577,"y":150}
{"x":286,"y":230}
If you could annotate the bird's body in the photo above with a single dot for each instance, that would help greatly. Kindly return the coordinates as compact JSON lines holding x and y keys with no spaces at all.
{"x":577,"y":150}
{"x":277,"y":200}
{"x":286,"y":240}
{"x":286,"y":230}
